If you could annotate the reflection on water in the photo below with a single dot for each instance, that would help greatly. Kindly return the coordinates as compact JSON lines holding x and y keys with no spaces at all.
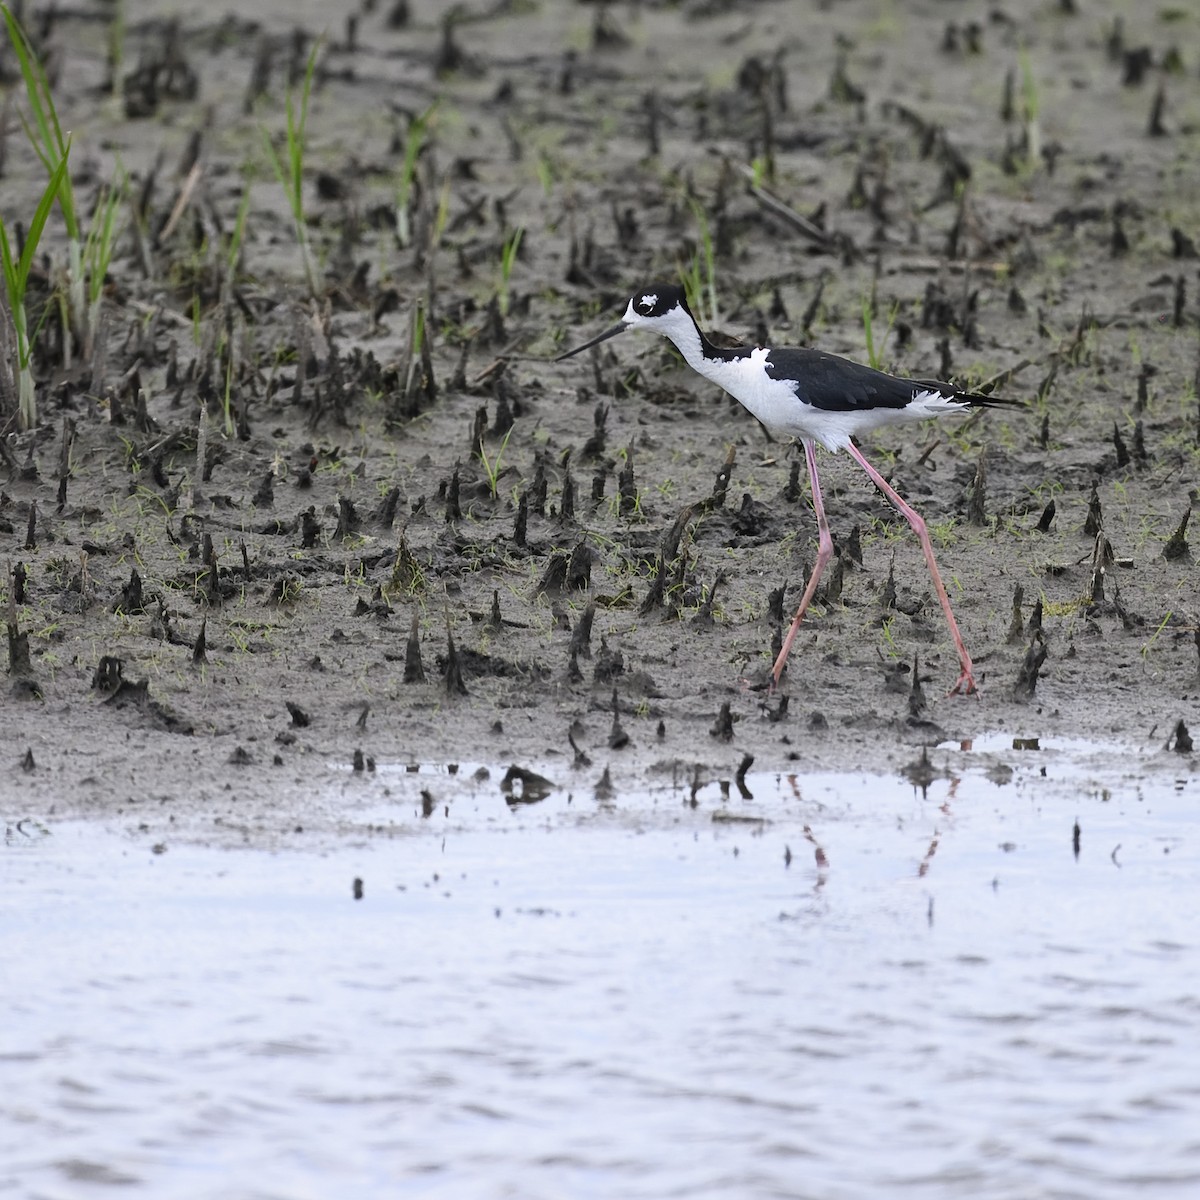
{"x":859,"y":991}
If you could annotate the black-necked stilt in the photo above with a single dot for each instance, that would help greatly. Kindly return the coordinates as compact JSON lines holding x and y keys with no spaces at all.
{"x":815,"y":397}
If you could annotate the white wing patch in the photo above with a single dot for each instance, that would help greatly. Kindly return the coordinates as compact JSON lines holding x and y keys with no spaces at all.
{"x":928,"y":403}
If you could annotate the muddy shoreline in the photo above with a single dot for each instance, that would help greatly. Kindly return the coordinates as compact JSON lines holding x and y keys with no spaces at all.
{"x":240,"y":540}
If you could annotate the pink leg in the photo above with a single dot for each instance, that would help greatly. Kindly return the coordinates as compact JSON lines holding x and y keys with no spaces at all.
{"x":824,"y":554}
{"x":966,"y":679}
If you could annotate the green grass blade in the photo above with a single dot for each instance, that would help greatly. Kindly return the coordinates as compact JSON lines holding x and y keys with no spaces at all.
{"x":50,"y":144}
{"x":40,"y":216}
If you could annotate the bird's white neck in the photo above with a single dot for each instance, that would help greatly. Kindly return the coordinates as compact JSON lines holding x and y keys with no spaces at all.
{"x":681,"y":330}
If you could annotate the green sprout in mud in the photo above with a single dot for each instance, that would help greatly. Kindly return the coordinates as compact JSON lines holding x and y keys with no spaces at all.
{"x":508,"y":257}
{"x":197,"y":313}
{"x":98,"y":251}
{"x":227,"y":398}
{"x":418,"y":343}
{"x":491,"y":467}
{"x":1030,"y":105}
{"x":875,"y":356}
{"x":414,"y":143}
{"x":289,"y":168}
{"x":51,"y":146}
{"x":892,"y":648}
{"x":1059,"y":608}
{"x":147,"y":497}
{"x":407,"y":576}
{"x":699,"y":277}
{"x":237,"y":236}
{"x":16,"y":281}
{"x":116,"y":48}
{"x":1149,"y":643}
{"x":942,"y":532}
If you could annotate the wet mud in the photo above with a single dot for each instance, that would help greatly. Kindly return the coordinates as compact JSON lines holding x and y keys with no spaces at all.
{"x":275,"y":522}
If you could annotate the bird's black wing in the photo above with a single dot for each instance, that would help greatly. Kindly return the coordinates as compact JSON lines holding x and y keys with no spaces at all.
{"x":839,"y":385}
{"x":835,"y":384}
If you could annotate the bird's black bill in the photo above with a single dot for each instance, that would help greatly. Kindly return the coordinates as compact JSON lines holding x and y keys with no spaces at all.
{"x":594,"y":342}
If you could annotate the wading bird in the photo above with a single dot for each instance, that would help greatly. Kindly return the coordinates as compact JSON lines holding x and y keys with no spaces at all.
{"x":815,"y":397}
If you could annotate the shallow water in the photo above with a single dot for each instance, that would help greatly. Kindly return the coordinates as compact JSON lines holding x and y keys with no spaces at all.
{"x":935,"y":998}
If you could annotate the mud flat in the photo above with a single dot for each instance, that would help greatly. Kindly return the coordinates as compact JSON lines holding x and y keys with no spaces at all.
{"x":264,"y":523}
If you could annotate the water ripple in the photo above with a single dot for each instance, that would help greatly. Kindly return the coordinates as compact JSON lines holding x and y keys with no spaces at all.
{"x":546,"y":1006}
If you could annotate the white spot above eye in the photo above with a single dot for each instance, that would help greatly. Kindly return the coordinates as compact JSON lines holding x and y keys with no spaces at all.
{"x":648,"y":301}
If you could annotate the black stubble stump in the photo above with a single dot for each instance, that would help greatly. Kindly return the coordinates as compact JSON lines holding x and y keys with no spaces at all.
{"x":916,"y":695}
{"x":478,"y":432}
{"x":1025,"y":686}
{"x":414,"y":671}
{"x":567,"y":511}
{"x":538,"y":489}
{"x":1035,"y":619}
{"x":19,"y":664}
{"x":581,"y":636}
{"x":1176,"y":547}
{"x":1182,"y":739}
{"x":604,"y":787}
{"x":599,"y":478}
{"x":775,"y":604}
{"x":1155,"y":126}
{"x":310,"y":528}
{"x":791,"y":491}
{"x":722,"y":729}
{"x":626,"y":486}
{"x":453,"y":678}
{"x":1120,"y":447}
{"x":1095,"y":517}
{"x":453,"y":508}
{"x":977,"y":503}
{"x":386,"y":514}
{"x":1016,"y":627}
{"x":618,"y":739}
{"x":721,"y":486}
{"x":347,"y":521}
{"x":521,"y":524}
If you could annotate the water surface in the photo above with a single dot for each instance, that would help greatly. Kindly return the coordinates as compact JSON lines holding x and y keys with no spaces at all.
{"x":933,"y":998}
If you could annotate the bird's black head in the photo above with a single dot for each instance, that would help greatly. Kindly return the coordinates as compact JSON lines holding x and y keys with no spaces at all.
{"x":660,"y":307}
{"x":657,"y":300}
